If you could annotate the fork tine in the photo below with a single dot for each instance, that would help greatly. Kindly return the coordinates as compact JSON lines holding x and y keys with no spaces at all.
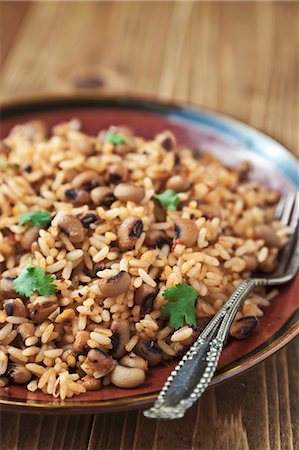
{"x":280,"y":207}
{"x":295,"y":216}
{"x":289,"y":203}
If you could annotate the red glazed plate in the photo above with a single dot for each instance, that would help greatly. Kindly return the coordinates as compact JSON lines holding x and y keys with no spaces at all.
{"x":229,"y":140}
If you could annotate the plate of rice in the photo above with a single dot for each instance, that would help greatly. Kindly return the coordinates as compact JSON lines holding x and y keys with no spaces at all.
{"x":125,"y":225}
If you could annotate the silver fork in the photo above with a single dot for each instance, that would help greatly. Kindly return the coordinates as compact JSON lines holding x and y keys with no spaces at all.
{"x":194,"y":372}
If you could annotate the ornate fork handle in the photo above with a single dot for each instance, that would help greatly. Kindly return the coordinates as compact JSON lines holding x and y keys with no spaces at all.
{"x":194,"y":372}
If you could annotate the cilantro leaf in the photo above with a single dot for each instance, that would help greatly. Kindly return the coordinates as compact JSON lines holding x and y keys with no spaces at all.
{"x":181,"y":305}
{"x":44,"y":283}
{"x":25,"y":283}
{"x":169,"y":199}
{"x":116,"y":138}
{"x":36,"y":218}
{"x":33,"y":279}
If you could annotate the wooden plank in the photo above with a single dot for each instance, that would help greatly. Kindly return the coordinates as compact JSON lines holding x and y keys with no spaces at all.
{"x":9,"y":430}
{"x":29,"y":432}
{"x":128,"y":432}
{"x":273,"y":403}
{"x":12,"y":14}
{"x":286,"y":435}
{"x":48,"y":432}
{"x":292,"y":352}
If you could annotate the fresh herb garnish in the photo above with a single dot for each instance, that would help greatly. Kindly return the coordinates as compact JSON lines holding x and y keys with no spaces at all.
{"x":181,"y":305}
{"x":33,"y":279}
{"x":169,"y":199}
{"x":36,"y":218}
{"x":8,"y":165}
{"x":115,"y":138}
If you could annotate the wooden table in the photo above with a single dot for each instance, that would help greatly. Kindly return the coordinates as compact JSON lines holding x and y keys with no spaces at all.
{"x":239,"y":58}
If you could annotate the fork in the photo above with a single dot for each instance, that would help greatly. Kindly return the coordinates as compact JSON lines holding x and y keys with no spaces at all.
{"x":194,"y":372}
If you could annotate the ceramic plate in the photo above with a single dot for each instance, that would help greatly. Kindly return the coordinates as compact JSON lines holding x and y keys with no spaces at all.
{"x":229,"y":140}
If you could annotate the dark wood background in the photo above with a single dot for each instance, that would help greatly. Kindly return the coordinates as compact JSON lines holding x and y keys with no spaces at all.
{"x":240,"y":58}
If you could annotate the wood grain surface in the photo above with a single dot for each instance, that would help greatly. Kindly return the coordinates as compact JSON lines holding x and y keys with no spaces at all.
{"x":240,"y":58}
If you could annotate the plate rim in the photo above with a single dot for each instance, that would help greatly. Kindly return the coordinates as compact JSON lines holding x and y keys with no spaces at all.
{"x":8,"y":105}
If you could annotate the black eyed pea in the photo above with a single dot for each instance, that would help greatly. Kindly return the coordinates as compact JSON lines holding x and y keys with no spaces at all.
{"x":273,"y":198}
{"x":102,"y":196}
{"x":134,"y":361}
{"x":126,"y":192}
{"x":107,"y":379}
{"x":26,"y":330}
{"x":40,"y":312}
{"x":270,"y":263}
{"x":167,"y":140}
{"x":242,"y":328}
{"x":209,"y":211}
{"x":15,"y":307}
{"x":269,"y":214}
{"x":266,"y":233}
{"x":127,"y":377}
{"x":156,"y":238}
{"x":124,"y":148}
{"x":145,"y":296}
{"x":29,"y":237}
{"x":77,"y":196}
{"x":149,"y":351}
{"x":7,"y":289}
{"x":120,"y":337}
{"x":178,"y":183}
{"x":88,"y":219}
{"x":186,"y":232}
{"x":81,"y":143}
{"x":116,"y":173}
{"x":100,"y":362}
{"x":251,"y":262}
{"x":91,"y":383}
{"x":179,"y":348}
{"x":159,"y":212}
{"x":128,"y":232}
{"x":87,"y":180}
{"x":72,"y":227}
{"x":18,"y":374}
{"x":116,"y":285}
{"x":129,"y":144}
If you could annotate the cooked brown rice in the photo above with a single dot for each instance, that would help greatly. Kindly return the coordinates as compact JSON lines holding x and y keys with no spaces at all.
{"x":84,"y":331}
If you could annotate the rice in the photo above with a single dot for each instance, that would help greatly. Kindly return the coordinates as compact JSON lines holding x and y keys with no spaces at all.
{"x":4,"y":332}
{"x":146,"y":278}
{"x":182,"y":334}
{"x":80,"y":321}
{"x":100,"y":338}
{"x":30,"y":351}
{"x":31,"y":341}
{"x":53,"y":353}
{"x":131,"y":344}
{"x":16,"y":320}
{"x":17,"y":354}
